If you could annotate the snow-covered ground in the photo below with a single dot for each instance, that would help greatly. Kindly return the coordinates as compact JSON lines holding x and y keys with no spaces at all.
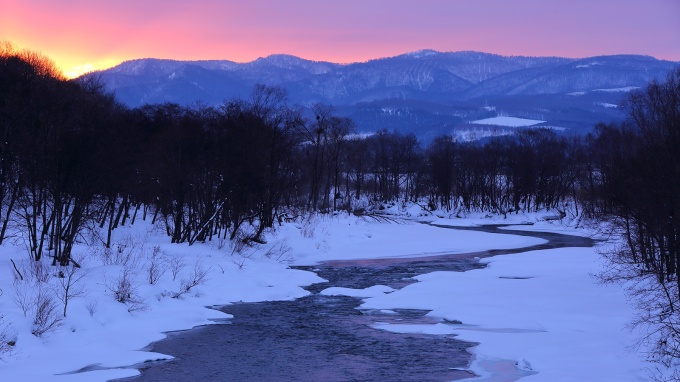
{"x":358,"y":238}
{"x":507,"y":121}
{"x":607,"y":105}
{"x":625,"y":89}
{"x":474,"y":133}
{"x":540,"y":310}
{"x":480,"y":132}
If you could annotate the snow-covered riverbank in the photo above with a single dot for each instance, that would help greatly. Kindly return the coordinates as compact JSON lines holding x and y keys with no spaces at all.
{"x":540,"y":309}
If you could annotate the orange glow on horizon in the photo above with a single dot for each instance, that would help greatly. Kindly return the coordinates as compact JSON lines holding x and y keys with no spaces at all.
{"x":81,"y":35}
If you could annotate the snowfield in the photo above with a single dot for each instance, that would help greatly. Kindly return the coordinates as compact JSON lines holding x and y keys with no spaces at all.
{"x":539,"y":310}
{"x":607,"y":105}
{"x":477,"y":133}
{"x":357,"y":238}
{"x":537,"y":314}
{"x":508,"y":121}
{"x":625,"y":89}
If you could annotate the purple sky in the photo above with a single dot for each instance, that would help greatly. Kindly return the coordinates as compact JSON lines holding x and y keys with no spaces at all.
{"x":85,"y":34}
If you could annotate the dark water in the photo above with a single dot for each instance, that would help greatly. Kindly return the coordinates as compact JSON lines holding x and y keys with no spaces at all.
{"x":325,"y":338}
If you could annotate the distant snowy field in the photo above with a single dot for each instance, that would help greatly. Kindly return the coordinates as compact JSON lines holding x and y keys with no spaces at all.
{"x":607,"y":105}
{"x":539,"y":312}
{"x":480,"y":132}
{"x":507,"y":121}
{"x":625,"y":89}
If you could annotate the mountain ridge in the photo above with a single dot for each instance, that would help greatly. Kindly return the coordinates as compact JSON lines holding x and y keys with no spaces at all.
{"x":457,"y":84}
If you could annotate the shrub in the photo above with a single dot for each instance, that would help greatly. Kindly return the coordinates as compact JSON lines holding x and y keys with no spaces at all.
{"x":46,"y":314}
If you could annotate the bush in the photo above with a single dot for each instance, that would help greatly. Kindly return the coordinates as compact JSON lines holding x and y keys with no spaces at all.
{"x":125,"y":252}
{"x":197,"y":277}
{"x":46,"y":314}
{"x":8,"y":337}
{"x":156,"y":266}
{"x":124,"y":290}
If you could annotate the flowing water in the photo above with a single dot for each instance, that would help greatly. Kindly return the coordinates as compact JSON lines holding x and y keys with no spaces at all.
{"x":326,"y":338}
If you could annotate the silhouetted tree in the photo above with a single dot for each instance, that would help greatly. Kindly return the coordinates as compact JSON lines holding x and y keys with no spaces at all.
{"x":638,"y":165}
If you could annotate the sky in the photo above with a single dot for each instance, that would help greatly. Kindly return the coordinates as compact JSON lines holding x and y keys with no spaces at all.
{"x":82,"y":35}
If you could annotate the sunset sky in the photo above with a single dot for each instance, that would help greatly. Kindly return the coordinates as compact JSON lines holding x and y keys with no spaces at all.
{"x":81,"y":35}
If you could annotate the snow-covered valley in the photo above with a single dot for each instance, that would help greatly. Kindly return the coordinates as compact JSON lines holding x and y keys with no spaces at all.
{"x":538,"y":314}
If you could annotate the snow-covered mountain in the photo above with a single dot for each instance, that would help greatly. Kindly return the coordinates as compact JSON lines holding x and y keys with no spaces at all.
{"x":427,"y":92}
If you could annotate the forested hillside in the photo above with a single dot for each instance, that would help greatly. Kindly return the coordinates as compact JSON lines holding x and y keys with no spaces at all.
{"x":427,"y":93}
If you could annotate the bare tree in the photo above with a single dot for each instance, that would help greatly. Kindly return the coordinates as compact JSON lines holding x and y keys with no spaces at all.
{"x":69,"y":286}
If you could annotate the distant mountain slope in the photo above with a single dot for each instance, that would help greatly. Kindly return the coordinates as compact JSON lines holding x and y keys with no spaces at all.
{"x":437,"y":91}
{"x":420,"y":75}
{"x":574,"y":76}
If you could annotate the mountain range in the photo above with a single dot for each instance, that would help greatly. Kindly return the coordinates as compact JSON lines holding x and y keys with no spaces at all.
{"x":425,"y":92}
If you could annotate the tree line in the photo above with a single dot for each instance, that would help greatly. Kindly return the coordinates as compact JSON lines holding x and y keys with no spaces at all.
{"x":72,"y":156}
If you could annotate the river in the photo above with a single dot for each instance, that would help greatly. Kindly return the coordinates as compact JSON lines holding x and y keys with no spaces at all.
{"x":326,"y":338}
